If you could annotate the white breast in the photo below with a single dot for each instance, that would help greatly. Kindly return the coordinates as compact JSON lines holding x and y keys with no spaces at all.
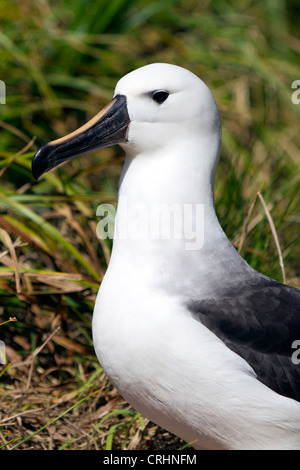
{"x":175,"y":372}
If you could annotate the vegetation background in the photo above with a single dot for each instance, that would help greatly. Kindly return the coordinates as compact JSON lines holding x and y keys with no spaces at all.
{"x":60,"y":62}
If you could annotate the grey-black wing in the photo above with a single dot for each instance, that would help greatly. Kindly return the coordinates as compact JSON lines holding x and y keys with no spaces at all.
{"x":260,"y":321}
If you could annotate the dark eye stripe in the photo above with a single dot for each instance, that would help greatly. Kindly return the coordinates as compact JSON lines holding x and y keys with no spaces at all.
{"x":160,"y":96}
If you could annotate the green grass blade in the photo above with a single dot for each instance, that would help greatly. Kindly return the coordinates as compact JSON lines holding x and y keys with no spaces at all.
{"x":43,"y":226}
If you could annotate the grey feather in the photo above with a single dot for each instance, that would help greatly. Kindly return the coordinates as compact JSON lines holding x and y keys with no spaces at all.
{"x":259,"y":320}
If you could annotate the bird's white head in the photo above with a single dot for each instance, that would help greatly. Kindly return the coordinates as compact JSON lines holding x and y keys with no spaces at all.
{"x":154,"y":107}
{"x":166,"y":104}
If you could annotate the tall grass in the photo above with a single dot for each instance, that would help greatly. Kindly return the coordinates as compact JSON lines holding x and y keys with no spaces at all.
{"x":60,"y":62}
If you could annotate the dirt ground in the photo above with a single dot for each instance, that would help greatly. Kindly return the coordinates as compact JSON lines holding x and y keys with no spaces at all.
{"x":52,"y":402}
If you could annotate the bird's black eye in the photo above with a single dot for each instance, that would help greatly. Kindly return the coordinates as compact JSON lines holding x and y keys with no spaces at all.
{"x":160,"y":96}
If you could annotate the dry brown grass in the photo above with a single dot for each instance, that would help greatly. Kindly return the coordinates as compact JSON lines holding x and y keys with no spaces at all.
{"x":82,"y":411}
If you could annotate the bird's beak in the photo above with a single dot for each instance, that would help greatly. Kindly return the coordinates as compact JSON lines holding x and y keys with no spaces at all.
{"x":108,"y":127}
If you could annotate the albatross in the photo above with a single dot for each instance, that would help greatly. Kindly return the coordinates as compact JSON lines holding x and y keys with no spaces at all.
{"x":192,"y":336}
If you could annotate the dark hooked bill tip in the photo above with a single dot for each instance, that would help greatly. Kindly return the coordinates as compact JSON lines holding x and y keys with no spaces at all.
{"x":108,"y":127}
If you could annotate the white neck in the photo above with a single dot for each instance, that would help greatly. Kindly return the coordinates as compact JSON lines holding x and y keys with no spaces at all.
{"x":152,"y":176}
{"x":181,"y":179}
